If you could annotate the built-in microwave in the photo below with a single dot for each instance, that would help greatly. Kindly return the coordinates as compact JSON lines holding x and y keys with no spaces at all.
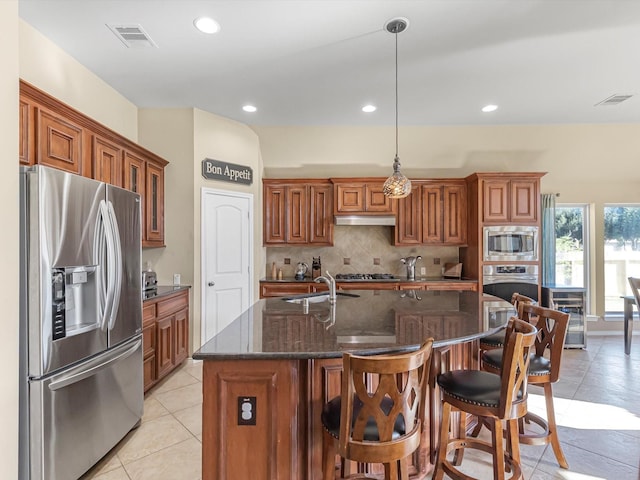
{"x":509,"y":243}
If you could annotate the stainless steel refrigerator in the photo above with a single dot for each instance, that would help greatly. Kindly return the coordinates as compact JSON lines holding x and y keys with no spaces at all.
{"x":81,"y":386}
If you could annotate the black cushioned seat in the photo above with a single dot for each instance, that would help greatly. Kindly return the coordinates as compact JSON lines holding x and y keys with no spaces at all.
{"x":537,"y":365}
{"x":495,"y":340}
{"x":331,"y":419}
{"x":472,"y":386}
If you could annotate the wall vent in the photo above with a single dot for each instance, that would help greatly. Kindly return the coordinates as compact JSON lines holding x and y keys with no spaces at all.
{"x":133,"y":36}
{"x":613,"y":100}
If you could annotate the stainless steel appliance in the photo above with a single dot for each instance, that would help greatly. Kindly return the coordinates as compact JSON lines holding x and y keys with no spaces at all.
{"x":366,"y":277}
{"x":80,"y":321}
{"x":410,"y":262}
{"x":149,"y":280}
{"x":510,"y":243}
{"x":504,"y":280}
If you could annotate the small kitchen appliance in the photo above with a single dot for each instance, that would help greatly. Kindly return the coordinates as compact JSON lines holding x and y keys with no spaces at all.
{"x":316,"y":268}
{"x":301,"y":270}
{"x":149,"y":280}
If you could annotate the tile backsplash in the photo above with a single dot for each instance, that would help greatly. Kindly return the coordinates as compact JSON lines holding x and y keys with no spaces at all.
{"x":366,"y":249}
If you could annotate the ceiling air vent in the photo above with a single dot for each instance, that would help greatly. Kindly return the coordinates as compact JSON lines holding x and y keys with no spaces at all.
{"x":133,"y":36}
{"x":613,"y":100}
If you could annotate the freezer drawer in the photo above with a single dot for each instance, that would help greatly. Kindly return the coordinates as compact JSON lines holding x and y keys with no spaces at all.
{"x":78,"y":415}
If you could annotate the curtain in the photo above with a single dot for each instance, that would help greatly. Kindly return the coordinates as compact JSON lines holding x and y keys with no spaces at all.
{"x":548,"y":238}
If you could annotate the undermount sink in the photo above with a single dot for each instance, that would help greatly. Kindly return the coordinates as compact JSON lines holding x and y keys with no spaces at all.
{"x":316,"y":297}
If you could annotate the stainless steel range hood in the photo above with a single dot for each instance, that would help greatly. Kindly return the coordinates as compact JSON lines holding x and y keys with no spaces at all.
{"x":387,"y":220}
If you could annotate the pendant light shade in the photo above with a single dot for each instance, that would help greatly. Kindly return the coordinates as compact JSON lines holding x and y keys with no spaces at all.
{"x":397,"y":185}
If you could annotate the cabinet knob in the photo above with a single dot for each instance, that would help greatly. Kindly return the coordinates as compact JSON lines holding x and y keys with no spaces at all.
{"x":211,"y":284}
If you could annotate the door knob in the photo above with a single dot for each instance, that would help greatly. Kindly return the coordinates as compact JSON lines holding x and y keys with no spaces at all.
{"x":211,"y":284}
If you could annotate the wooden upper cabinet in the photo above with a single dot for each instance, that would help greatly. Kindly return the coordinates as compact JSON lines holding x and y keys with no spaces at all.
{"x":512,"y":200}
{"x":107,"y":161}
{"x":27,"y":133}
{"x":321,"y":214}
{"x":431,"y":214}
{"x":297,"y":212}
{"x":408,"y":229}
{"x":58,"y":141}
{"x":454,"y":214}
{"x":297,"y":208}
{"x":361,"y":197}
{"x":56,"y":135}
{"x":434,"y":214}
{"x":154,"y":206}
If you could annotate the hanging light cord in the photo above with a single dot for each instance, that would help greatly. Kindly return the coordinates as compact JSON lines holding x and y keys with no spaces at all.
{"x":396,"y":34}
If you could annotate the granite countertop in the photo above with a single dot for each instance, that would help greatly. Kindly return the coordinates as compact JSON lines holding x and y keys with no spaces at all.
{"x":162,"y":291}
{"x":361,"y":321}
{"x":399,"y":280}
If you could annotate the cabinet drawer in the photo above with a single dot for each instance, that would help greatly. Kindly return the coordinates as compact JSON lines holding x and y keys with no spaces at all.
{"x":148,"y":313}
{"x":172,"y":304}
{"x":282,"y":289}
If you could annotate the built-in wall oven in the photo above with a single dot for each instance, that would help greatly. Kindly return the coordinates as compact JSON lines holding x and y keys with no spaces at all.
{"x":505,"y":280}
{"x":510,"y":243}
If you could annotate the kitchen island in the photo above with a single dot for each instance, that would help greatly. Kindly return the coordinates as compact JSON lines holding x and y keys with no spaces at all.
{"x":267,"y":375}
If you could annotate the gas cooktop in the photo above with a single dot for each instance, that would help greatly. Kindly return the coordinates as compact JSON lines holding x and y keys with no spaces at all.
{"x":367,"y":277}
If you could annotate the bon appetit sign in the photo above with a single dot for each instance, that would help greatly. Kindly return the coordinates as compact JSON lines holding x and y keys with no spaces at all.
{"x":227,"y":172}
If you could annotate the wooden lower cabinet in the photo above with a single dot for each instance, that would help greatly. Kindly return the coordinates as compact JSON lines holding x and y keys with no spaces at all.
{"x":165,"y":335}
{"x":286,"y":440}
{"x":281,"y":289}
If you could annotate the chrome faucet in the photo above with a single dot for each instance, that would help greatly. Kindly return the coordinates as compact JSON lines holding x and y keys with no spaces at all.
{"x":331,"y":283}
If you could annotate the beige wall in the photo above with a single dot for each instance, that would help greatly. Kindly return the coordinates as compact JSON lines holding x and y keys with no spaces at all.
{"x":185,"y":137}
{"x":592,"y":164}
{"x":46,"y":66}
{"x":9,"y":240}
{"x":222,"y":139}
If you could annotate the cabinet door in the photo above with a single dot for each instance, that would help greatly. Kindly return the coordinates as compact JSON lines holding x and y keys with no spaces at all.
{"x":165,"y":353}
{"x":297,"y":214}
{"x":274,"y":214}
{"x":496,"y":201}
{"x":431,"y":214}
{"x":350,"y":198}
{"x":408,"y":229}
{"x":454,"y":214}
{"x":524,"y":201}
{"x":107,"y":161}
{"x":27,"y":134}
{"x":154,"y":206}
{"x":149,"y":372}
{"x":321,"y":214}
{"x":59,"y":142}
{"x":181,"y":333}
{"x":376,"y":201}
{"x":148,"y":354}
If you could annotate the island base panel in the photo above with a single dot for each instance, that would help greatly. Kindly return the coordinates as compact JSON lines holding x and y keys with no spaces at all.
{"x":263,"y":451}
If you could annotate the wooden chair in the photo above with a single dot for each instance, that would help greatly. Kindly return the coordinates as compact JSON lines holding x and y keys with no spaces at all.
{"x":635,"y":289}
{"x":495,"y":396}
{"x":544,"y":370}
{"x":496,"y":340}
{"x":383,"y":426}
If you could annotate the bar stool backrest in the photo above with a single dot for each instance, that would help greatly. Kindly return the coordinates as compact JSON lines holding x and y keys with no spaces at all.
{"x":401,"y":381}
{"x":635,"y":288}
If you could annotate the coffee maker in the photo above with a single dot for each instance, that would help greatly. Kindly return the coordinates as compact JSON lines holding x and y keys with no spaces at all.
{"x":316,"y":268}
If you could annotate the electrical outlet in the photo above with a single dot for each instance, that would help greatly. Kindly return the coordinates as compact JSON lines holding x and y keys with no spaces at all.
{"x":423,"y":270}
{"x":176,"y":279}
{"x":246,"y":410}
{"x":436,"y":261}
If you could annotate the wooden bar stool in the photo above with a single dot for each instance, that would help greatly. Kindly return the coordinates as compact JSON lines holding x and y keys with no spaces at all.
{"x":496,"y":397}
{"x":544,"y":370}
{"x":496,"y":340}
{"x":380,"y":427}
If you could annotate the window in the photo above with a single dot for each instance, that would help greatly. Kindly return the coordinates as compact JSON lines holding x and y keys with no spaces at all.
{"x":571,"y":254}
{"x":621,"y":253}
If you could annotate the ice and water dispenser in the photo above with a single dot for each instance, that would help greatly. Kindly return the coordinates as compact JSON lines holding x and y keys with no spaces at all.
{"x":74,"y":300}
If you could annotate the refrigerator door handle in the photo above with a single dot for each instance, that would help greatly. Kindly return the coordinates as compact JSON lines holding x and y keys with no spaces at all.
{"x":99,"y":243}
{"x":110,"y":264}
{"x":77,"y":376}
{"x":117,"y":276}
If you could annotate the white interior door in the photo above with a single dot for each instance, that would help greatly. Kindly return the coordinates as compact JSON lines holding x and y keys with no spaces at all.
{"x":227,"y":253}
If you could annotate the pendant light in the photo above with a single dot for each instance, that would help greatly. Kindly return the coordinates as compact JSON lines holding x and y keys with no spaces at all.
{"x":397,"y":185}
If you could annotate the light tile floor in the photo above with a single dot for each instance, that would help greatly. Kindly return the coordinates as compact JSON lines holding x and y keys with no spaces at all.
{"x":597,"y":405}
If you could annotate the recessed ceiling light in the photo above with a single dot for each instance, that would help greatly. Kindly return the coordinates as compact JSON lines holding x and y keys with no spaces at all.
{"x":489,"y":108}
{"x":249,"y":108}
{"x":369,"y":108}
{"x":206,"y":25}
